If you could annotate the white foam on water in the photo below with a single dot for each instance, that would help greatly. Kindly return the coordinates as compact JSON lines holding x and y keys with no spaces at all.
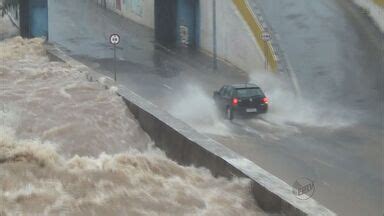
{"x":68,"y":146}
{"x":36,"y":179}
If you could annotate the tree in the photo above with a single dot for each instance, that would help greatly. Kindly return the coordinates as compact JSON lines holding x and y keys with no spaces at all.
{"x":7,"y":4}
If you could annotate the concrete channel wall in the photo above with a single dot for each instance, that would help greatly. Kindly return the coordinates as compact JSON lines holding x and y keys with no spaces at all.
{"x":186,"y":146}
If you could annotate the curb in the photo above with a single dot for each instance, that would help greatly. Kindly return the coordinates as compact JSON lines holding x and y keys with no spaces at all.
{"x":188,"y":147}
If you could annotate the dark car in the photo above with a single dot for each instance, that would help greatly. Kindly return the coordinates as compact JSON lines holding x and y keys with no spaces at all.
{"x":241,"y":99}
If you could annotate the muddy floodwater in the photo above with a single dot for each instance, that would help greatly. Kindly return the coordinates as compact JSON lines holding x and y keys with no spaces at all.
{"x":70,"y":147}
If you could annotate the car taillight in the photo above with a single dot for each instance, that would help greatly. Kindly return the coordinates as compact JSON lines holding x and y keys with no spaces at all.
{"x":235,"y":101}
{"x":264,"y":100}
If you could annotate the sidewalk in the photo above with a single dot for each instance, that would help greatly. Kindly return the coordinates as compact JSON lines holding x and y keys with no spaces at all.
{"x":147,"y":69}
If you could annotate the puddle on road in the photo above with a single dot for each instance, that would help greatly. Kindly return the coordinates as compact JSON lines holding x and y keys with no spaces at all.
{"x":70,"y":146}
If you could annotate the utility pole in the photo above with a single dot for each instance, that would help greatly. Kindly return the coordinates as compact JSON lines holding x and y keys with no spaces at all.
{"x":214,"y":35}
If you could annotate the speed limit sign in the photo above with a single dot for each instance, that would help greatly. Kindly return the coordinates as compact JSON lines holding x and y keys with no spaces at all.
{"x":266,"y":36}
{"x":114,"y":39}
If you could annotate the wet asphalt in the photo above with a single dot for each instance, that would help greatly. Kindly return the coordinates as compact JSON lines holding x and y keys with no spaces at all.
{"x":335,"y":52}
{"x":337,"y":55}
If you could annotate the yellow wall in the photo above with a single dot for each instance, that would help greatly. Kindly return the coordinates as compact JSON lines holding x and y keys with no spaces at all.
{"x":257,"y":31}
{"x":379,"y":2}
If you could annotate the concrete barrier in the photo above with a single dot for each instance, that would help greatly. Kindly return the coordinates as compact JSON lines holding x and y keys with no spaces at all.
{"x":188,"y":147}
{"x":257,"y":29}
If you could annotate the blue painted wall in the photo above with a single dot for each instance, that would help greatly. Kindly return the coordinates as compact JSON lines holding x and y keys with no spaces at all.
{"x":187,"y":18}
{"x":38,"y":18}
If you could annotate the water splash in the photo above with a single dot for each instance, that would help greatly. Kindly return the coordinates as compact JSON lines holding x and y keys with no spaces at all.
{"x":286,"y":108}
{"x":199,"y":110}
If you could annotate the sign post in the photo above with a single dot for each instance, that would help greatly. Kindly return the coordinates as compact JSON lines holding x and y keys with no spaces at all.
{"x":214,"y":35}
{"x":114,"y":39}
{"x":266,"y":37}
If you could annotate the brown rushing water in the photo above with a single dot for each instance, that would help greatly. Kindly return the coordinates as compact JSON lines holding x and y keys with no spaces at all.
{"x":70,"y":147}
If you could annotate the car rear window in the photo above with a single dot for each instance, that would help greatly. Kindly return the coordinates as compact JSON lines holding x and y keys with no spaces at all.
{"x":248,"y":92}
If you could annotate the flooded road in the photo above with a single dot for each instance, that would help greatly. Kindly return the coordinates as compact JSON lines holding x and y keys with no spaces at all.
{"x":335,"y":50}
{"x":332,"y":136}
{"x":68,"y":146}
{"x":337,"y":54}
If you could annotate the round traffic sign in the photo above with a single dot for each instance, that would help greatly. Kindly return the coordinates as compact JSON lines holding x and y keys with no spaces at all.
{"x":114,"y":39}
{"x":266,"y":36}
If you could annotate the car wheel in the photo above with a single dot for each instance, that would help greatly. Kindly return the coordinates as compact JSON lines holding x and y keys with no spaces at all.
{"x":229,"y":113}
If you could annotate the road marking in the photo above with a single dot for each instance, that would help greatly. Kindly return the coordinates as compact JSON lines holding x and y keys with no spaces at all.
{"x":168,"y":87}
